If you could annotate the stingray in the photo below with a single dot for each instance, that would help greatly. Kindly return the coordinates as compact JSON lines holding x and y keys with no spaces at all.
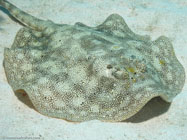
{"x":80,"y":73}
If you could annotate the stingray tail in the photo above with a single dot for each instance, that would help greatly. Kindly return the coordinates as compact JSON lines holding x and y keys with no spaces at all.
{"x":25,"y":18}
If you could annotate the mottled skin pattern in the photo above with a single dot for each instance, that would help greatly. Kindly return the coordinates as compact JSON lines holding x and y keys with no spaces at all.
{"x":80,"y":73}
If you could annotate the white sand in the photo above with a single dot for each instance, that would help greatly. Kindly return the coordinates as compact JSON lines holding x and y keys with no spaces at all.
{"x":157,"y":121}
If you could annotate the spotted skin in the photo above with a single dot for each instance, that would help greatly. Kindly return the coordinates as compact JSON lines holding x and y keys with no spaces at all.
{"x":80,"y":73}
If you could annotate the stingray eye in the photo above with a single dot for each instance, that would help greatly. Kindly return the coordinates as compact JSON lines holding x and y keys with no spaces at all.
{"x":42,"y":56}
{"x":109,"y":66}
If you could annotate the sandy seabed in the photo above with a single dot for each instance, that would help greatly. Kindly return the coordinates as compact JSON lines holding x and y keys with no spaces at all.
{"x":156,"y":121}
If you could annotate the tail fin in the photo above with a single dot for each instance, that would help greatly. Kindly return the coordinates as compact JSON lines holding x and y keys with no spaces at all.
{"x":25,"y":18}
